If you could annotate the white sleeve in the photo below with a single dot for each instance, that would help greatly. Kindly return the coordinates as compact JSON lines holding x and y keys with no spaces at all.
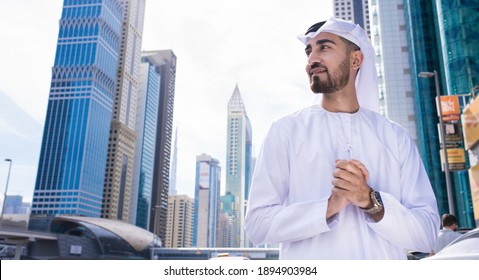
{"x":269,"y":219}
{"x":412,"y":221}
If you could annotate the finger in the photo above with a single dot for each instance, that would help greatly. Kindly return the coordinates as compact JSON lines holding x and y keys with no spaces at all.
{"x":343,"y":184}
{"x":346,"y":176}
{"x":350,"y":167}
{"x":362,"y":167}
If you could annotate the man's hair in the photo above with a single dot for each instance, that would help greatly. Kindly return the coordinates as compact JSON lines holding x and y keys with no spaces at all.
{"x":350,"y":46}
{"x":448,"y":220}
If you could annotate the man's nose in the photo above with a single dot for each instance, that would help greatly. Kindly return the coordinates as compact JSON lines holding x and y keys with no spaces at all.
{"x":314,"y":58}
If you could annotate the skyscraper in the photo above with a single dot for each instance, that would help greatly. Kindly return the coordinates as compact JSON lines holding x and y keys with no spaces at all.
{"x":71,"y":168}
{"x":119,"y":166}
{"x":238,"y":163}
{"x":207,"y":201}
{"x":174,"y":159}
{"x":441,"y":37}
{"x":161,"y":173}
{"x":356,"y":11}
{"x":146,"y":126}
{"x":179,"y":228}
{"x":388,"y":36}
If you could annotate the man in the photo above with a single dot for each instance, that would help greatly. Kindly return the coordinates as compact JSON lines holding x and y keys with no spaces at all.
{"x":337,"y":180}
{"x":448,"y":232}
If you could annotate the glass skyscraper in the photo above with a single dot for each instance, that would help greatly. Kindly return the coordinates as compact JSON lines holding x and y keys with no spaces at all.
{"x":71,"y":168}
{"x":207,"y":201}
{"x":161,"y":173}
{"x":146,"y":125}
{"x":238,"y":164}
{"x":441,"y":36}
{"x":459,"y":45}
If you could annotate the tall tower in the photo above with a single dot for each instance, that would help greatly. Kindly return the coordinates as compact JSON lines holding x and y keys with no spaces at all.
{"x":71,"y":168}
{"x":388,"y":36}
{"x":238,"y":163}
{"x":356,"y":11}
{"x":161,"y":173}
{"x":427,"y":23}
{"x":207,"y":201}
{"x":146,"y":127}
{"x":172,"y":188}
{"x":119,"y":165}
{"x":459,"y":35}
{"x":179,"y":229}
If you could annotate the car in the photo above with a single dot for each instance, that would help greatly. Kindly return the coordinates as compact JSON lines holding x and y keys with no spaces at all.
{"x":227,"y":257}
{"x":465,"y":247}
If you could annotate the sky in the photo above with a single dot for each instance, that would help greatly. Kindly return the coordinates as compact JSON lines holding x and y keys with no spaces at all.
{"x":218,"y":43}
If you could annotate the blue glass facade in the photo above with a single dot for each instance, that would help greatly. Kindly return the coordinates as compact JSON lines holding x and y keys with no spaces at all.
{"x":460,"y":59}
{"x":207,"y":201}
{"x":426,"y":46}
{"x":248,"y":158}
{"x":148,"y":121}
{"x":75,"y":139}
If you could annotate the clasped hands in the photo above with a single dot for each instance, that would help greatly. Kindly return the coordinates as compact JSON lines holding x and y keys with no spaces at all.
{"x":350,"y":186}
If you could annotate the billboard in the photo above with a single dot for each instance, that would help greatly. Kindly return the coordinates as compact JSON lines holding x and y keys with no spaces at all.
{"x":456,"y":159}
{"x":204,"y":180}
{"x":450,"y":107}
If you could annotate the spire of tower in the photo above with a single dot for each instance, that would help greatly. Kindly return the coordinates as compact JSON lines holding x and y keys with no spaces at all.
{"x":235,"y":105}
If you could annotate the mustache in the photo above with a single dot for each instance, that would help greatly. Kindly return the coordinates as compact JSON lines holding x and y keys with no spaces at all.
{"x":315,"y":65}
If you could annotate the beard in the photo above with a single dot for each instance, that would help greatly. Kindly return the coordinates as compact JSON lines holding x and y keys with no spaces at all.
{"x":333,"y":82}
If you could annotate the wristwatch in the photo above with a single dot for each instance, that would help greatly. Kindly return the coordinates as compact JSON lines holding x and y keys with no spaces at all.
{"x":377,"y":203}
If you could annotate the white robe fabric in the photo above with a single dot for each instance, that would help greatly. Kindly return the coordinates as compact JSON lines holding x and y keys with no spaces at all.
{"x":292,"y":183}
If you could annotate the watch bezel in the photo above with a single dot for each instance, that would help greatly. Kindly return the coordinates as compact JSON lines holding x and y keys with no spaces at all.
{"x":377,"y":203}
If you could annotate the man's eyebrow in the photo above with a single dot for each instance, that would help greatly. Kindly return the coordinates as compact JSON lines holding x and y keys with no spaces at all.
{"x":324,"y":41}
{"x":320,"y":42}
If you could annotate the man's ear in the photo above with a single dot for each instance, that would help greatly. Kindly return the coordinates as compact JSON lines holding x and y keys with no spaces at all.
{"x":356,"y":59}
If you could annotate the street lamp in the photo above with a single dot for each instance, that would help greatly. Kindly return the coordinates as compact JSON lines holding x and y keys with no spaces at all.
{"x":6,"y":189}
{"x":450,"y":199}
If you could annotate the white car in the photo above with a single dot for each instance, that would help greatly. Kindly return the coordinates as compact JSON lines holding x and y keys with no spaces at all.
{"x":465,"y":247}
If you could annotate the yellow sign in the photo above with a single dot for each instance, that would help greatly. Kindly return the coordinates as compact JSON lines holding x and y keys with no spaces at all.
{"x":474,"y":185}
{"x":456,"y":159}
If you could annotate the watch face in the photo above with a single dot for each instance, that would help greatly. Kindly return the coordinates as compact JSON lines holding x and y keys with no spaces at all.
{"x":377,"y":196}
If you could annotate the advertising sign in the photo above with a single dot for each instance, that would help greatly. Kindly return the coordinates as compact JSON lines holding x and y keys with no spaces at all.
{"x":456,"y":158}
{"x":204,"y":180}
{"x":450,"y":108}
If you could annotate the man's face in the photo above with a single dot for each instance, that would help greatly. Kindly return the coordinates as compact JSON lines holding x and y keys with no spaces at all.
{"x":328,"y":65}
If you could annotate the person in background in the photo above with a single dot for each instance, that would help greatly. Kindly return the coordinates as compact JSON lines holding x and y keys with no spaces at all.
{"x":448,"y":232}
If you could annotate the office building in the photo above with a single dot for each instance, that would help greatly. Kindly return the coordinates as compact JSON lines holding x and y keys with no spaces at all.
{"x":388,"y":36}
{"x":119,"y":165}
{"x":442,"y":36}
{"x":161,"y":171}
{"x":146,"y":126}
{"x":207,"y":201}
{"x":173,"y":166}
{"x":238,"y":163}
{"x":356,"y":11}
{"x":14,"y":205}
{"x":71,"y":169}
{"x":179,"y":227}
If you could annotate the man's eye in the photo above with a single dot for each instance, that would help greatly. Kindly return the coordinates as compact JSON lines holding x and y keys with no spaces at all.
{"x":308,"y":52}
{"x":324,"y":47}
